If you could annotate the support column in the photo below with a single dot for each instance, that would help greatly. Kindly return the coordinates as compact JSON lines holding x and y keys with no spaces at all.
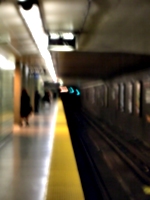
{"x":17,"y":92}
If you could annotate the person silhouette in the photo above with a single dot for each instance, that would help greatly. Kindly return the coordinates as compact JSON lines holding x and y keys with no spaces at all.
{"x":25,"y":107}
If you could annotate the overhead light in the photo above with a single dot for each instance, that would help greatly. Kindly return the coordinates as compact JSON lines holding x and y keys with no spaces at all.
{"x":68,"y":36}
{"x":22,"y":0}
{"x":62,"y":42}
{"x":60,"y":48}
{"x":6,"y":64}
{"x":65,"y":36}
{"x":33,"y":20}
{"x":54,"y":36}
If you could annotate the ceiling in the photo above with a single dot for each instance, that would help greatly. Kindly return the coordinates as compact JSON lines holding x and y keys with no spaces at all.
{"x":113,"y":36}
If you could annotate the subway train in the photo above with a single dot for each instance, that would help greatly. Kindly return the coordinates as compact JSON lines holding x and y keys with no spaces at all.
{"x":109,"y":128}
{"x":123,"y":103}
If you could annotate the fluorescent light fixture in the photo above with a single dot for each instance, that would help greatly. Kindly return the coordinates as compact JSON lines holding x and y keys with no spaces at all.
{"x":62,"y":41}
{"x":67,"y":36}
{"x":61,"y":48}
{"x":54,"y":36}
{"x":22,"y":0}
{"x":6,"y":64}
{"x":34,"y":23}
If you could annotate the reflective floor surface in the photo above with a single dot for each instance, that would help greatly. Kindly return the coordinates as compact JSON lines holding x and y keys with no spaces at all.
{"x":25,"y":159}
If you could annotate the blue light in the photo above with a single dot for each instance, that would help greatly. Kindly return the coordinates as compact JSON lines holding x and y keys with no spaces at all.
{"x":78,"y":92}
{"x":71,"y":90}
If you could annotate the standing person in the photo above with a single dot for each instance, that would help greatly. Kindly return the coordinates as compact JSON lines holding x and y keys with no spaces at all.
{"x":36,"y":101}
{"x":25,"y":107}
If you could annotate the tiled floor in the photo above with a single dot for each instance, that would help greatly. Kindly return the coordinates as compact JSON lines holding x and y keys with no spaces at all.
{"x":25,"y":159}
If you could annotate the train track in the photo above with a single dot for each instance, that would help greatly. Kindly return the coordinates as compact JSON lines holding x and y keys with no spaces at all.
{"x":137,"y":161}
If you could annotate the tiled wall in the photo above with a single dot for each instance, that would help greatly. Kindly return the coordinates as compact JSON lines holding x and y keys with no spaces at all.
{"x":6,"y":95}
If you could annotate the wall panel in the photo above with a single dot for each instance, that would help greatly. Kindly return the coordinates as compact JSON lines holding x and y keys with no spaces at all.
{"x":6,"y":95}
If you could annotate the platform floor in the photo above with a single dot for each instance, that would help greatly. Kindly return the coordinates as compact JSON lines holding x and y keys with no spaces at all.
{"x":38,"y":162}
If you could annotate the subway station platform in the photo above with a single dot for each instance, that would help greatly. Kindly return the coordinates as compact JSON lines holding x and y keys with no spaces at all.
{"x":38,"y":162}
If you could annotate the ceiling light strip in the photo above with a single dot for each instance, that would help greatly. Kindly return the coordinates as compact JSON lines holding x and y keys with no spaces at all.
{"x":34,"y":23}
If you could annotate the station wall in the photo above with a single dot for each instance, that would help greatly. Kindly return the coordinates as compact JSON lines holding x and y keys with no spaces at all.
{"x":7,"y":66}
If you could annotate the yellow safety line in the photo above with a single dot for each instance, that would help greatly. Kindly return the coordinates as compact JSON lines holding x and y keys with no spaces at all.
{"x":146,"y":189}
{"x":64,"y":181}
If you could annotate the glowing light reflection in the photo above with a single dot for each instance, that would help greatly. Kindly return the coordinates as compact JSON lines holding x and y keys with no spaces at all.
{"x":6,"y":64}
{"x":51,"y":142}
{"x":63,"y":89}
{"x":34,"y":22}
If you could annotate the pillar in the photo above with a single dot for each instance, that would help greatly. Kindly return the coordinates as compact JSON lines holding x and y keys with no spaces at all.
{"x":17,"y":92}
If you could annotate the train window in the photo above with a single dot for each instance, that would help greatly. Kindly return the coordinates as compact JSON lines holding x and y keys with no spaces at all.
{"x":147,"y":92}
{"x":130,"y":97}
{"x":91,"y":95}
{"x":122,"y":97}
{"x":137,"y":99}
{"x":97,"y":93}
{"x":115,"y":90}
{"x":88,"y":94}
{"x":102,"y":95}
{"x":105,"y":95}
